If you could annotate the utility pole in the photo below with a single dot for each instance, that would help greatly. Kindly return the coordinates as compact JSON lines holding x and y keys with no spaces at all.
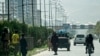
{"x":45,"y":19}
{"x":3,"y":10}
{"x":13,"y":10}
{"x":32,"y":13}
{"x":45,"y":13}
{"x":55,"y":12}
{"x":8,"y":12}
{"x":49,"y":11}
{"x":27,"y":14}
{"x":40,"y":15}
{"x":51,"y":16}
{"x":23,"y":12}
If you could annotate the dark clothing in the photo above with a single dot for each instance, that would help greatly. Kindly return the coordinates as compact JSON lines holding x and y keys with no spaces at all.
{"x":5,"y":37}
{"x":89,"y":40}
{"x":5,"y":42}
{"x":23,"y":45}
{"x":54,"y":41}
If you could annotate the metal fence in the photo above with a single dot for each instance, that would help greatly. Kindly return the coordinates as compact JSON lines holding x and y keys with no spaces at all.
{"x":30,"y":42}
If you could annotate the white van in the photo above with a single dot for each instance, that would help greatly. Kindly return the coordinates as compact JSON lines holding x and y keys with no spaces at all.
{"x":79,"y":39}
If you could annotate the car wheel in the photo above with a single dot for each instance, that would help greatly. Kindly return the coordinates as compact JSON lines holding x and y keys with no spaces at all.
{"x":84,"y":44}
{"x":74,"y":44}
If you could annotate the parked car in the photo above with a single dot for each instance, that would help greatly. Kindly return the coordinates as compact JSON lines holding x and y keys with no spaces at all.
{"x":79,"y":39}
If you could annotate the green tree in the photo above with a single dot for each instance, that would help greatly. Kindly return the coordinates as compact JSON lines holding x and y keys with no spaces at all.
{"x":97,"y":29}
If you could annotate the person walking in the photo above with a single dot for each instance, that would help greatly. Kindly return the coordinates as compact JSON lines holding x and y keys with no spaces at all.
{"x":23,"y":44}
{"x":54,"y":41}
{"x":5,"y":39}
{"x":49,"y":42}
{"x":15,"y":42}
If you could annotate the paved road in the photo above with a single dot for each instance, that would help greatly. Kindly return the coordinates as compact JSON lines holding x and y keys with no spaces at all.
{"x":78,"y":50}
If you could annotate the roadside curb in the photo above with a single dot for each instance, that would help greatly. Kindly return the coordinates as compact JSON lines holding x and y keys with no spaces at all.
{"x":37,"y":51}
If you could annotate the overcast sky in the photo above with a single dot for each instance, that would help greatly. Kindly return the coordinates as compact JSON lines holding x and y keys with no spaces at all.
{"x":82,"y":11}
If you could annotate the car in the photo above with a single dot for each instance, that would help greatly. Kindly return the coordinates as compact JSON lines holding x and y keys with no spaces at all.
{"x":64,"y":43}
{"x":79,"y":39}
{"x":64,"y":40}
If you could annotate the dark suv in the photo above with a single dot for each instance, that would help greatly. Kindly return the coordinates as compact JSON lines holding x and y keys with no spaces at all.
{"x":64,"y":41}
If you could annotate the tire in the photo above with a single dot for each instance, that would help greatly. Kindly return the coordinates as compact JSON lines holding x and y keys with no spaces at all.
{"x":74,"y":44}
{"x":68,"y":48}
{"x":84,"y":44}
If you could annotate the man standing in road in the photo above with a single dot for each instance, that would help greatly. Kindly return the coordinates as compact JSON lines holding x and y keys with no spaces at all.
{"x":54,"y":41}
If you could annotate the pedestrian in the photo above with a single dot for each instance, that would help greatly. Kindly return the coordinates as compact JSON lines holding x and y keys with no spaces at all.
{"x":54,"y":41}
{"x":5,"y":39}
{"x":16,"y":42}
{"x":23,"y":44}
{"x":49,"y":42}
{"x":89,"y":40}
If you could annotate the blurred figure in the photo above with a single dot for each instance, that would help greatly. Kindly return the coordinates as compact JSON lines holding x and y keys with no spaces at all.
{"x":5,"y":39}
{"x":54,"y":41}
{"x":23,"y":45}
{"x":49,"y":42}
{"x":89,"y":40}
{"x":68,"y":42}
{"x":15,"y":42}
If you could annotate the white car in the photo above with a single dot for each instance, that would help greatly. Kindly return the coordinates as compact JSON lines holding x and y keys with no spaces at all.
{"x":79,"y":39}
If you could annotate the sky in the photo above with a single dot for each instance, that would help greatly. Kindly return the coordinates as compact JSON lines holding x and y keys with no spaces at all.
{"x":82,"y":11}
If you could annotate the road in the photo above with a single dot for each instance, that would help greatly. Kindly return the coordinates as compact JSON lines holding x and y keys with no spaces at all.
{"x":78,"y":50}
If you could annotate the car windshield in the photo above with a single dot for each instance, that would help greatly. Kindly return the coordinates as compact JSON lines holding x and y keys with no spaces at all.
{"x":80,"y":36}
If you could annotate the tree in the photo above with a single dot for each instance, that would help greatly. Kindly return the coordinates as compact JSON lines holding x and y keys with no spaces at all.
{"x":97,"y":29}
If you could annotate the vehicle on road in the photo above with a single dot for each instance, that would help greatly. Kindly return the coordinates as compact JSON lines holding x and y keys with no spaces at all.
{"x":64,"y":40}
{"x":79,"y":39}
{"x":64,"y":43}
